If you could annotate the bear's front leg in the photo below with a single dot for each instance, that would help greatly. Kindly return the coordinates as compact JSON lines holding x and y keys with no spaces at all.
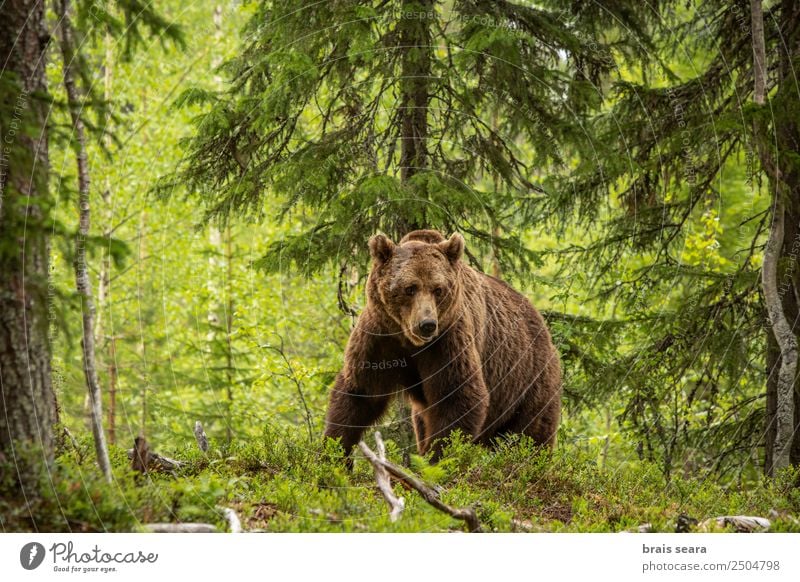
{"x":456,"y":397}
{"x":351,"y":411}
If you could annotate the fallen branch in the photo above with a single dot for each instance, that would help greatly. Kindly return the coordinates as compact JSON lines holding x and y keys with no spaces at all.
{"x":686,"y":524}
{"x":468,"y":514}
{"x":396,"y":505}
{"x":180,"y":528}
{"x":143,"y":459}
{"x":741,"y":523}
{"x":233,"y":520}
{"x":72,"y":440}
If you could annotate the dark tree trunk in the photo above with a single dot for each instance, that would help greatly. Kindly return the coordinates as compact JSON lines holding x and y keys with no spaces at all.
{"x":789,"y":280}
{"x":415,"y":46}
{"x":788,"y":139}
{"x":785,"y":105}
{"x":27,"y":401}
{"x":773,"y":356}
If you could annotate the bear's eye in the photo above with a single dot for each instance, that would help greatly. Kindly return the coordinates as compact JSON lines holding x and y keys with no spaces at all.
{"x":411,"y":289}
{"x":438,"y":291}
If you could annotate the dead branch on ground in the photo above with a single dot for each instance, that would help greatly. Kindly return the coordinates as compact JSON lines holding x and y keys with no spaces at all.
{"x":429,"y":494}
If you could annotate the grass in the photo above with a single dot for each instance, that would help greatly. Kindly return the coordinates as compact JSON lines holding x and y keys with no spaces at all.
{"x":281,"y":483}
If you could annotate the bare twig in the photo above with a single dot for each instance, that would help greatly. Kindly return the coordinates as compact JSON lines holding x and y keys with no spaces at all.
{"x":430,"y":495}
{"x":344,"y":307}
{"x":72,"y":441}
{"x":396,"y":505}
{"x":292,"y":375}
{"x":180,"y":528}
{"x":200,"y":435}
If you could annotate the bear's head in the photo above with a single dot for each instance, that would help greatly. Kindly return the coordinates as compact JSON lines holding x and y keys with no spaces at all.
{"x":416,"y":282}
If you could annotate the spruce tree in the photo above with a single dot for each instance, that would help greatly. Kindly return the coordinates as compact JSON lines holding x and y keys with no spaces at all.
{"x":347,"y":118}
{"x":693,"y":332}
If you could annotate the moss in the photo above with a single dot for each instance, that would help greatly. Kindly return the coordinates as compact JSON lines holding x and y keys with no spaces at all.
{"x":282,"y":483}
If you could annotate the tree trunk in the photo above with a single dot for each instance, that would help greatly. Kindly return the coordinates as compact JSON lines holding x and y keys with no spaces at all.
{"x":416,"y":48}
{"x":788,"y":141}
{"x":780,"y":271}
{"x":140,"y":295}
{"x":785,"y":337}
{"x":112,"y":389}
{"x":415,"y":45}
{"x":229,"y":336}
{"x":27,"y":400}
{"x":104,"y":282}
{"x":789,"y":284}
{"x":773,"y":358}
{"x":82,"y":280}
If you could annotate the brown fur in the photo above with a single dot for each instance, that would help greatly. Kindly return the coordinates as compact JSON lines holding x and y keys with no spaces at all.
{"x":489,"y":368}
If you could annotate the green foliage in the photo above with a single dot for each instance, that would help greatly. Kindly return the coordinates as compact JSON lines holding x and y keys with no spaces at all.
{"x":282,"y":483}
{"x":676,"y":211}
{"x":602,"y":173}
{"x":320,"y":100}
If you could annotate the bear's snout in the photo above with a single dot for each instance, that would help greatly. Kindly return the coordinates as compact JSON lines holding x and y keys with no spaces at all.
{"x":427,"y":327}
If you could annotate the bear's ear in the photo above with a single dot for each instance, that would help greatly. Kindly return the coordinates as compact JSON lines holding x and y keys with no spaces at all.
{"x":453,"y":248}
{"x":381,"y":248}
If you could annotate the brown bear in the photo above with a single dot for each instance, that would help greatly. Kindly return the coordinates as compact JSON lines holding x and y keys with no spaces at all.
{"x":469,"y":352}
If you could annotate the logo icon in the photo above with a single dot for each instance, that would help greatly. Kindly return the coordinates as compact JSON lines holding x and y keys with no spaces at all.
{"x":31,"y":555}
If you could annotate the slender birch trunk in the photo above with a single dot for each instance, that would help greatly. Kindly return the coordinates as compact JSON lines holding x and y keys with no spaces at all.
{"x":81,"y":269}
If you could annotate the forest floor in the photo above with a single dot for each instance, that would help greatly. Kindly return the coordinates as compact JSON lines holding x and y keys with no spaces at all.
{"x":280,"y":483}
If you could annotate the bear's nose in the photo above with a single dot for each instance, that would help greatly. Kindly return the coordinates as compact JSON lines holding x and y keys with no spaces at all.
{"x":427,"y":327}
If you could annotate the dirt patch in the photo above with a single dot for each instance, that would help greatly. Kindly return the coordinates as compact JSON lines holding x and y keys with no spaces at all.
{"x":255,"y":516}
{"x":557,"y":511}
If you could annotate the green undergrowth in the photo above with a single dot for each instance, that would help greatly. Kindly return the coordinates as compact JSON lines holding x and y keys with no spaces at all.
{"x":282,"y":483}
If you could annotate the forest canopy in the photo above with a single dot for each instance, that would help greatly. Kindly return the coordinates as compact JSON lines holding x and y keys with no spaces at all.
{"x":188,"y":191}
